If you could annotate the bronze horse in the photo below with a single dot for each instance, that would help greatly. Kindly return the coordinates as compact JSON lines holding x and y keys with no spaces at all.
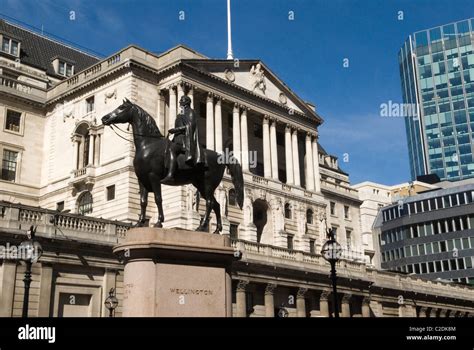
{"x":149,"y":164}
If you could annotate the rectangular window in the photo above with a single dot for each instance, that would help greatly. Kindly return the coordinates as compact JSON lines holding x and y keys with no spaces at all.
{"x":60,"y":206}
{"x":234,"y":230}
{"x":90,"y":104}
{"x":110,"y":192}
{"x":9,"y":165}
{"x":431,"y":267}
{"x":439,"y":202}
{"x":10,"y":46}
{"x":65,"y":69}
{"x":435,"y":247}
{"x":349,"y":239}
{"x":312,"y":246}
{"x":332,"y":207}
{"x":289,"y":242}
{"x":445,"y":265}
{"x":257,"y":130}
{"x":438,"y":266}
{"x":442,"y":245}
{"x":13,"y":121}
{"x":421,"y":249}
{"x":346,"y":212}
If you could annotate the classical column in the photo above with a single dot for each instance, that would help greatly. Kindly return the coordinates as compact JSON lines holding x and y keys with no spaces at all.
{"x":173,"y":109}
{"x":267,"y":163}
{"x":296,"y":159}
{"x":236,"y":132}
{"x":323,"y":304}
{"x":433,"y":312}
{"x":245,"y":141}
{"x":46,"y":282}
{"x":210,"y":122}
{"x":422,"y":312}
{"x":309,"y":164}
{"x":300,"y":302}
{"x":108,"y":282}
{"x":218,"y":125}
{"x":76,"y":140}
{"x":345,"y":306}
{"x":366,"y":307}
{"x":8,"y":278}
{"x":160,"y":113}
{"x":273,"y":149}
{"x":288,"y":156}
{"x":180,"y":91}
{"x":90,"y":161}
{"x":191,"y":95}
{"x":269,"y":300}
{"x":452,"y":313}
{"x":315,"y":154}
{"x":97,"y":139}
{"x":240,"y":299}
{"x":443,"y":313}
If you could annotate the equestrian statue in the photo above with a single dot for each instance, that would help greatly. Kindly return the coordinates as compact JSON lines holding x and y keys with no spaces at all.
{"x":179,"y":161}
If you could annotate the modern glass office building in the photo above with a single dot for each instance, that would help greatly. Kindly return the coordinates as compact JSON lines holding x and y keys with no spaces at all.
{"x":430,"y":234}
{"x":437,"y":75}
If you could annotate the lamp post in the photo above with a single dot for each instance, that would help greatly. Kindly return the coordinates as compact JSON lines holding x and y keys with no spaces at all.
{"x":111,"y":302}
{"x":30,"y":252}
{"x":331,"y":252}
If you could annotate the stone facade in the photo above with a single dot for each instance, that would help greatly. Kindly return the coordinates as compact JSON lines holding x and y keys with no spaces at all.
{"x":65,"y":159}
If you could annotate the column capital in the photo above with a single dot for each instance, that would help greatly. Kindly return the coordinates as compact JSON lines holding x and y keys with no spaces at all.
{"x":309,"y":135}
{"x":301,"y":292}
{"x":346,"y":297}
{"x":242,"y":285}
{"x":366,"y":300}
{"x":324,"y":295}
{"x":76,"y":137}
{"x":236,"y":107}
{"x":171,"y":87}
{"x":266,"y":119}
{"x":210,"y":97}
{"x":270,"y":288}
{"x":288,"y":127}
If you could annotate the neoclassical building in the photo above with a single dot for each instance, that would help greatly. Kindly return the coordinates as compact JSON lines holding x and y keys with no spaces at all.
{"x":73,"y":178}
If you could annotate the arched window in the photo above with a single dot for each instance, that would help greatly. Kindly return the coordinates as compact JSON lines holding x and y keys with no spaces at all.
{"x":232,"y":200}
{"x":84,"y":145}
{"x":309,"y":216}
{"x":84,"y":203}
{"x":287,"y":211}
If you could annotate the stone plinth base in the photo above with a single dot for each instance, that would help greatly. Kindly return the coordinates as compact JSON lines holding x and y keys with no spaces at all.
{"x":176,"y":273}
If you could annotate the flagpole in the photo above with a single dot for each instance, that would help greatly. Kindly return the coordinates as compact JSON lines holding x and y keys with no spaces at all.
{"x":230,"y":55}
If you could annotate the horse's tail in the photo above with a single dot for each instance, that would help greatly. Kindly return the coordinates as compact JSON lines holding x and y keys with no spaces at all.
{"x":237,"y":180}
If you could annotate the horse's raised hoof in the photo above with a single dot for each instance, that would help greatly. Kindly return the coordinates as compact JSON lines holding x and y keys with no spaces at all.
{"x":216,"y":232}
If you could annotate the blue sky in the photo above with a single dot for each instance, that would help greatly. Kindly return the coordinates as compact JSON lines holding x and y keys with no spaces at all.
{"x":307,"y":53}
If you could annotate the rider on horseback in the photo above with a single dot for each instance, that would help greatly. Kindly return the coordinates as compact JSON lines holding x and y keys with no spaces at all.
{"x":185,"y":140}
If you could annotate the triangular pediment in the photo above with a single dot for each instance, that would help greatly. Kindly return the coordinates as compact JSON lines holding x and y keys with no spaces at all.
{"x":255,"y":77}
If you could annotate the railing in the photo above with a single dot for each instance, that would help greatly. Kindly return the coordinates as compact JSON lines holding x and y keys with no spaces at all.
{"x":79,"y":172}
{"x":22,"y":87}
{"x":297,"y":255}
{"x":80,"y":224}
{"x":48,"y":222}
{"x":338,"y":187}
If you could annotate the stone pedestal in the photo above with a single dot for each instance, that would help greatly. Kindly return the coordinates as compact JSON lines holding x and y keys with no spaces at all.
{"x":176,"y":273}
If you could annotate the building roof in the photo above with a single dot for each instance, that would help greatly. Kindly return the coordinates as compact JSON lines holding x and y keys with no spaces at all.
{"x":39,"y":51}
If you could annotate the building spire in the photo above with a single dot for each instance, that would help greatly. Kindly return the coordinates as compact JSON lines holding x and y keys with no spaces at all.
{"x":230,"y":55}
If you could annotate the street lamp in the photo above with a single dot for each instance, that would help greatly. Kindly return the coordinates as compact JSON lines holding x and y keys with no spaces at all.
{"x":30,"y":252}
{"x":111,"y":302}
{"x":331,"y":252}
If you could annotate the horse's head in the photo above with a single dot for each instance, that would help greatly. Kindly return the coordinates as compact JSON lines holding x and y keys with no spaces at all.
{"x":119,"y":115}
